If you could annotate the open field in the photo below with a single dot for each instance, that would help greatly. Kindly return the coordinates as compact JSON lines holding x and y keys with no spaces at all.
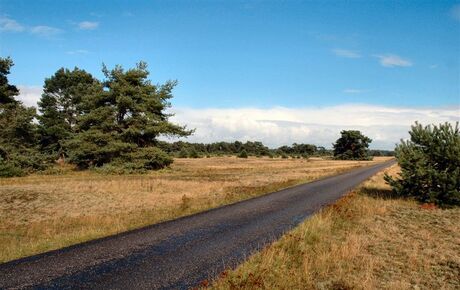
{"x":44,"y":212}
{"x":367,"y":240}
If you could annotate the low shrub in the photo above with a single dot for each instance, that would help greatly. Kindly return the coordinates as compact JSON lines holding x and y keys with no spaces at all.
{"x":243,"y":154}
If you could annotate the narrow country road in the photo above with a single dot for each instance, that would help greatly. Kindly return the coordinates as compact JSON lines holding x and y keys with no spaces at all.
{"x":182,"y":252}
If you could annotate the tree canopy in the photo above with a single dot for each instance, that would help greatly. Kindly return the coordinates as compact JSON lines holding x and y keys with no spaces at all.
{"x":352,"y":145}
{"x":120,"y":122}
{"x":61,"y":105}
{"x":18,"y":133}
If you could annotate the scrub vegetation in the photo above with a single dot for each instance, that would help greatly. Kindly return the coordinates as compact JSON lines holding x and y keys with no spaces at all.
{"x":367,"y":240}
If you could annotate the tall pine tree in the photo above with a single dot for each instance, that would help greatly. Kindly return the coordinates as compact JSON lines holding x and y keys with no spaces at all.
{"x":60,"y":107}
{"x":121,"y":124}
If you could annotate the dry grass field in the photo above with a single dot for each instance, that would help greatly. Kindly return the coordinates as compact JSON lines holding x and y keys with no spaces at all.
{"x":44,"y":212}
{"x":367,"y":240}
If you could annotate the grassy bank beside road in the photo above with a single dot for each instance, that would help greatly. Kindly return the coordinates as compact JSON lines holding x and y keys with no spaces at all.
{"x":367,"y":240}
{"x":44,"y":212}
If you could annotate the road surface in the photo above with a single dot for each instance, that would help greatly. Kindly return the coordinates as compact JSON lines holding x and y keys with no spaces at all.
{"x":182,"y":252}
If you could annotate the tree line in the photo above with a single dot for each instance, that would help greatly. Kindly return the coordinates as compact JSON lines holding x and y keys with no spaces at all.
{"x":114,"y":123}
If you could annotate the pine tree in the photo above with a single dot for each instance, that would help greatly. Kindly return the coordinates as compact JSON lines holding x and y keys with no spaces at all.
{"x":121,"y":124}
{"x":60,"y":107}
{"x":430,"y":165}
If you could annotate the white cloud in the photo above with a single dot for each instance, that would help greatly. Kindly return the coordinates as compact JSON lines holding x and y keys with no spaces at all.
{"x":10,"y":25}
{"x":346,"y":53}
{"x":317,"y":125}
{"x":29,"y":95}
{"x":392,"y":60}
{"x":354,"y":91}
{"x":88,"y":25}
{"x":77,"y":51}
{"x":45,"y":31}
{"x":455,"y":12}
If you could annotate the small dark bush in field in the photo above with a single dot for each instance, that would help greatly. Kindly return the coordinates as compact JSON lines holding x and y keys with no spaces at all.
{"x":9,"y":170}
{"x":183,"y":153}
{"x":243,"y":154}
{"x":194,"y":154}
{"x":430,"y":165}
{"x":284,"y":156}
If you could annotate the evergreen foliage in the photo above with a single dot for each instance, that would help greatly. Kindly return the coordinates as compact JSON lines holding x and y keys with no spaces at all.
{"x":120,"y":124}
{"x":243,"y":154}
{"x":352,"y":145}
{"x":61,"y":105}
{"x":430,"y":165}
{"x":18,"y":133}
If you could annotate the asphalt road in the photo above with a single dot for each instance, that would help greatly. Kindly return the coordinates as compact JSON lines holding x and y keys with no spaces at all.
{"x":182,"y":252}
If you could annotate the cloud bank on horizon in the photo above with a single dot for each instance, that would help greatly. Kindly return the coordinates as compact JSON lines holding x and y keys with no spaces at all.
{"x":277,"y":126}
{"x":315,"y":125}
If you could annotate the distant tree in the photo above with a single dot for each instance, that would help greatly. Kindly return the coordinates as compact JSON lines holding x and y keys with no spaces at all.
{"x":352,"y":145}
{"x":61,"y":106}
{"x":121,"y":125}
{"x":18,"y":133}
{"x":430,"y":165}
{"x":243,"y":154}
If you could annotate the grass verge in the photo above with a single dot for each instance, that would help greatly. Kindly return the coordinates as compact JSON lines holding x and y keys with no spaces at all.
{"x":367,"y":240}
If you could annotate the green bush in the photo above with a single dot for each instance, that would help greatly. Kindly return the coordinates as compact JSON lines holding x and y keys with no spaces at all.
{"x":430,"y":165}
{"x":194,"y":154}
{"x":243,"y":154}
{"x":9,"y":170}
{"x":183,"y":153}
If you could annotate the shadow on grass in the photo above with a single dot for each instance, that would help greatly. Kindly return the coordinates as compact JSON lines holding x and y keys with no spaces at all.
{"x":379,"y":193}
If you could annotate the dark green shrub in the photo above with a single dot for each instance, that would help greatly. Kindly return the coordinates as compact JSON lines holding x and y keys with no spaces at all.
{"x":183,"y":154}
{"x":194,"y":154}
{"x":243,"y":154}
{"x":430,"y":165}
{"x":9,"y":170}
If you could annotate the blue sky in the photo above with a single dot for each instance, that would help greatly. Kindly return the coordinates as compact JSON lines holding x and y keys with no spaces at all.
{"x":257,"y":54}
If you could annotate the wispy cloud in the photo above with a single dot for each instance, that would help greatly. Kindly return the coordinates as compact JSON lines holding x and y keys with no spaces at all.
{"x":88,"y":25}
{"x":354,"y":91}
{"x":455,"y":12}
{"x":318,"y":125}
{"x":346,"y":53}
{"x":77,"y":51}
{"x":45,"y":31}
{"x":10,"y":25}
{"x":392,"y":60}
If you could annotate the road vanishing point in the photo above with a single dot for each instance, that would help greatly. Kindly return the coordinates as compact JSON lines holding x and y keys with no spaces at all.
{"x":181,"y":253}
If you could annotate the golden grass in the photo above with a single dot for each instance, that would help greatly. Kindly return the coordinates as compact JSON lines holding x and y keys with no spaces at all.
{"x":364,"y":241}
{"x":44,"y":212}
